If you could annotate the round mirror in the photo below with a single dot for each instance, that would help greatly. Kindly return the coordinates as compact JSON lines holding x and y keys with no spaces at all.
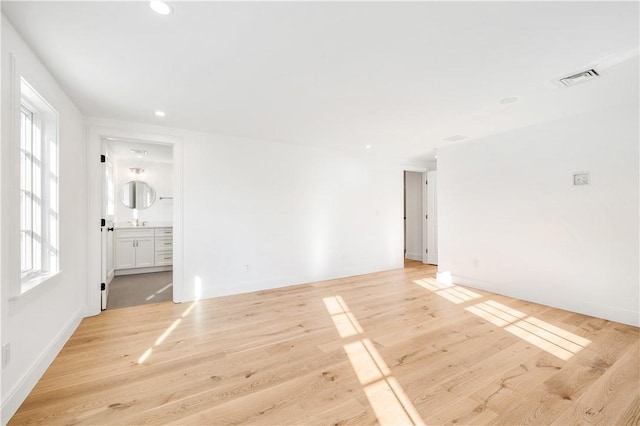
{"x":137,"y":195}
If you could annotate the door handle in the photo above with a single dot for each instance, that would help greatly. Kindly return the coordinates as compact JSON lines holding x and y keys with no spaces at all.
{"x":109,"y":229}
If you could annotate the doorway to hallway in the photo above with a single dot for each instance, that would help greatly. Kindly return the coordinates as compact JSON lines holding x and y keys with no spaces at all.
{"x":420,"y":217}
{"x":413,"y":216}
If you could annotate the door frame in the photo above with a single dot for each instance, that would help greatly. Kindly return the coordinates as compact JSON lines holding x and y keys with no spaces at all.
{"x":97,"y":130}
{"x":423,"y":203}
{"x":431,"y":197}
{"x":106,"y":233}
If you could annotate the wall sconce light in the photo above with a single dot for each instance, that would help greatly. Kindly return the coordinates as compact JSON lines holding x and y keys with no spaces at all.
{"x":136,"y":170}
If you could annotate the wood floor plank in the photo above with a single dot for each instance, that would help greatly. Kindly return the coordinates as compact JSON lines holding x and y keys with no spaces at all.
{"x":276,"y":357}
{"x":609,"y":394}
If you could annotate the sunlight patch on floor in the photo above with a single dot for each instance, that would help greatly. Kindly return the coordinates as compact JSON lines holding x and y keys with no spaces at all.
{"x":145,"y":355}
{"x":151,"y":296}
{"x":189,"y":309}
{"x":452,"y":293}
{"x":166,"y":333}
{"x":344,"y":320}
{"x":387,"y":398}
{"x":555,"y":340}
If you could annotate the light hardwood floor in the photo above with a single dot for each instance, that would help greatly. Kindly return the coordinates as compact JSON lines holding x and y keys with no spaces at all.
{"x":391,"y":347}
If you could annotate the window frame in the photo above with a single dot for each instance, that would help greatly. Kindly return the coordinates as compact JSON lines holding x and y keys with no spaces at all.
{"x":43,"y":194}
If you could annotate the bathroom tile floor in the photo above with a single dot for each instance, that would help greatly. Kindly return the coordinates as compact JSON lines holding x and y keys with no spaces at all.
{"x":140,"y":289}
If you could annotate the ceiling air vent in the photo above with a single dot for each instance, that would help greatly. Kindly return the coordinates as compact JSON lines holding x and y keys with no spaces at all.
{"x":580,"y":77}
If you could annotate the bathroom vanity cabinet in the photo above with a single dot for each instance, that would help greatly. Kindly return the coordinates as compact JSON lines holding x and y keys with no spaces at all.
{"x":163,"y":246}
{"x":139,"y":250}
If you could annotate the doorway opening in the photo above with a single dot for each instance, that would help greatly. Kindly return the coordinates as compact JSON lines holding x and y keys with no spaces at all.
{"x":413,"y":217}
{"x":420,"y":218}
{"x":137,"y":236}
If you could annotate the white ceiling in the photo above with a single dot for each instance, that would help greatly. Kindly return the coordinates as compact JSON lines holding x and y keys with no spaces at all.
{"x":400,"y":76}
{"x":153,"y":152}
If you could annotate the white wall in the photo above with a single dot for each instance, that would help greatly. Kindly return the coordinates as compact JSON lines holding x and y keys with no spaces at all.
{"x":413,"y":203}
{"x":512,"y":222}
{"x":258,"y":214}
{"x":158,"y":176}
{"x":39,"y":322}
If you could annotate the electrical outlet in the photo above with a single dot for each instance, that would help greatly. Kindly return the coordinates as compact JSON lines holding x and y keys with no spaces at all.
{"x":581,"y":178}
{"x":6,"y":354}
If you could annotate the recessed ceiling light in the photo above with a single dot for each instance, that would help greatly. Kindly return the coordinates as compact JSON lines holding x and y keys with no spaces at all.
{"x":368,"y":146}
{"x":160,"y":113}
{"x":509,"y":100}
{"x":160,"y":7}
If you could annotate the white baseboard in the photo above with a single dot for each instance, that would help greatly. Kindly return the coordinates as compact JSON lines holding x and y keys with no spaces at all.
{"x":291,"y":280}
{"x":14,"y":398}
{"x":585,"y":307}
{"x":132,"y":271}
{"x":413,"y":256}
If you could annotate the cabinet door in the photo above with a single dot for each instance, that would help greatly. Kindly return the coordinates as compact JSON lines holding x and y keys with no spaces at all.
{"x":125,"y":253}
{"x":145,"y":253}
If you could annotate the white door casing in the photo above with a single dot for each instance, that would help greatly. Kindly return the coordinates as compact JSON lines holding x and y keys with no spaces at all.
{"x":424,"y":218}
{"x":432,"y":217}
{"x":99,"y":130}
{"x":106,"y":233}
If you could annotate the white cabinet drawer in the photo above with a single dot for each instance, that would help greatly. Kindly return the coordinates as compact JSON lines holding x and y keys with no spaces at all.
{"x":164,"y":232}
{"x":163,"y":259}
{"x":134,"y":233}
{"x":164,"y":244}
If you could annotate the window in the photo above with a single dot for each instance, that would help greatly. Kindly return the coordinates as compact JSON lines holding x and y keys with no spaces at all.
{"x":38,"y":188}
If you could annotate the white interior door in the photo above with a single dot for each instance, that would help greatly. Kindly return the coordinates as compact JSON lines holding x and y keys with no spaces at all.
{"x":103,"y":268}
{"x":432,"y":217}
{"x":106,"y":236}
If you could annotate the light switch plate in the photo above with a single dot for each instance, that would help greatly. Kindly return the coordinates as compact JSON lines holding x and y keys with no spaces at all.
{"x":581,"y":178}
